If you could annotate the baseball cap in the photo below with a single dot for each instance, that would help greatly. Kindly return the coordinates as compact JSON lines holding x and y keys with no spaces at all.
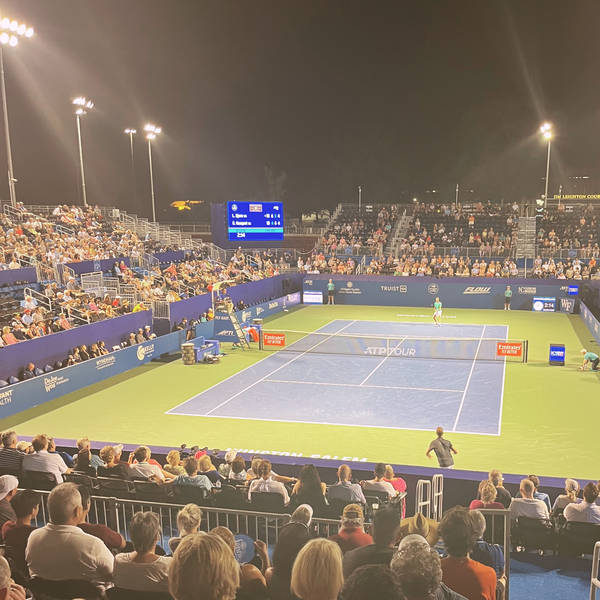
{"x":353,"y":512}
{"x":303,"y":514}
{"x":8,"y":483}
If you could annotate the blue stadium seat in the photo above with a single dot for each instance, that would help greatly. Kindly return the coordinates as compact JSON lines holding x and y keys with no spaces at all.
{"x":3,"y":383}
{"x":12,"y":379}
{"x":48,"y":368}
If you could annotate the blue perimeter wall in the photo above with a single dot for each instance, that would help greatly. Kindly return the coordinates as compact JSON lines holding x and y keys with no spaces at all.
{"x":592,"y":323}
{"x":467,"y":292}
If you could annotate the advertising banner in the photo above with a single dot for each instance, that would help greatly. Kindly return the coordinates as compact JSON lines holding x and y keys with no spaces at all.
{"x":18,"y":276}
{"x":467,"y":292}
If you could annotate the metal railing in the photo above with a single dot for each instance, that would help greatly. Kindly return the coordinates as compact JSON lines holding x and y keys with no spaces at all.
{"x":423,"y":498}
{"x":41,"y":298}
{"x":437,"y":495}
{"x":595,"y":582}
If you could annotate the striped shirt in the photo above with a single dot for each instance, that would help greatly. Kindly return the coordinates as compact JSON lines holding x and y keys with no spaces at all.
{"x":11,"y":459}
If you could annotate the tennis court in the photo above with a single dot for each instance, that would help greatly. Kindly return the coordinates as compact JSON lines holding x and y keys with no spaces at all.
{"x":397,"y":375}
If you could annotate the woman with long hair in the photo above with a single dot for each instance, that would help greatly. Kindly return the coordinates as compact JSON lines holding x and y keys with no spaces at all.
{"x":309,"y":489}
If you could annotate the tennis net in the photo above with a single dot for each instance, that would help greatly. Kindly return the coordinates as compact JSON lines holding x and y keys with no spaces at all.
{"x":480,"y":348}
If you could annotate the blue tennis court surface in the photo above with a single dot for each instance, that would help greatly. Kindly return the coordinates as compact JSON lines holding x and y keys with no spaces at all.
{"x":378,"y":383}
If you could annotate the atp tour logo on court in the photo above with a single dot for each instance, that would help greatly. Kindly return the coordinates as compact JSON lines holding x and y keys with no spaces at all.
{"x":475,"y":290}
{"x":6,"y":397}
{"x":433,"y":288}
{"x":144,"y":351}
{"x":384,"y":351}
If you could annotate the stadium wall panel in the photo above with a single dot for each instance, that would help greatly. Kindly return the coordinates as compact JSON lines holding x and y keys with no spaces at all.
{"x":11,"y":276}
{"x":467,"y":292}
{"x":48,"y":349}
{"x":591,"y":322}
{"x":36,"y":391}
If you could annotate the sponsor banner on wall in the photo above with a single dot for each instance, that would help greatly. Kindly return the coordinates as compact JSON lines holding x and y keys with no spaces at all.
{"x":592,"y":323}
{"x":30,"y":393}
{"x":471,"y":292}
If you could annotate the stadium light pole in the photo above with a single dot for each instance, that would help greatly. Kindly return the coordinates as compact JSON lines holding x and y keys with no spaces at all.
{"x":547,"y":134}
{"x":11,"y":32}
{"x":82,"y":105}
{"x":151,"y":132}
{"x":131,"y":132}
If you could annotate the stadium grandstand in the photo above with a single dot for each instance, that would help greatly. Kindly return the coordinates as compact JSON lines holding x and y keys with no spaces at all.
{"x":219,"y":391}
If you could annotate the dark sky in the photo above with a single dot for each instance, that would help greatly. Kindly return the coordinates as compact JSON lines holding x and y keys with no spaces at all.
{"x":395,"y":96}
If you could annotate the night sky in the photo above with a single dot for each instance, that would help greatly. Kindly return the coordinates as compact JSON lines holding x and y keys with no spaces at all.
{"x":399,"y":97}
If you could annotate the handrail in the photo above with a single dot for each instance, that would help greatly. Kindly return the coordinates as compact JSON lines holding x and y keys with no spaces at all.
{"x":41,"y":298}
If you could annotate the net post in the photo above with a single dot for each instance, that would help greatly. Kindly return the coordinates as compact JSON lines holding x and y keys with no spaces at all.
{"x":260,"y":339}
{"x":525,"y":350}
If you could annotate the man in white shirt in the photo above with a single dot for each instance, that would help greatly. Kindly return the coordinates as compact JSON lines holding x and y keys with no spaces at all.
{"x":265,"y":483}
{"x":527,"y":505}
{"x":587,"y":511}
{"x":42,"y":460}
{"x":377,"y":484}
{"x":61,"y":550}
{"x":143,"y":469}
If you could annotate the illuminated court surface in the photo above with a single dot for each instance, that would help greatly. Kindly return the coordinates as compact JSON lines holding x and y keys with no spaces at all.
{"x":383,"y":377}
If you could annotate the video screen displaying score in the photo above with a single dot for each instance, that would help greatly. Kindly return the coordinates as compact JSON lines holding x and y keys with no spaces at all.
{"x":254,"y":221}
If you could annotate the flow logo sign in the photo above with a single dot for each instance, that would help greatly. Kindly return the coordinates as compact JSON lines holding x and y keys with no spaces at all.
{"x":472,"y":290}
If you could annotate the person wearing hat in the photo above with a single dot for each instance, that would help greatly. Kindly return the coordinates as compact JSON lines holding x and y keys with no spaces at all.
{"x":8,"y":488}
{"x":225,"y":468}
{"x":351,"y":534}
{"x":420,"y":525}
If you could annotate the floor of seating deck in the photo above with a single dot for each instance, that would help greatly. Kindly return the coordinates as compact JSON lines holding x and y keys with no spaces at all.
{"x":520,"y":418}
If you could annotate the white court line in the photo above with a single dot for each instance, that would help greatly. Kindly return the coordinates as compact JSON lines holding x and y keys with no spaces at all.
{"x":271,"y":355}
{"x":360,"y":385}
{"x":275,"y":371}
{"x":502,"y":391}
{"x":462,"y":401}
{"x":423,"y":317}
{"x":381,"y":363}
{"x":429,"y":429}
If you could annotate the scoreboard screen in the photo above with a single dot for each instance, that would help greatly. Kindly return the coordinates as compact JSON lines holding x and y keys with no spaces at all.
{"x":544,"y":304}
{"x":254,"y":221}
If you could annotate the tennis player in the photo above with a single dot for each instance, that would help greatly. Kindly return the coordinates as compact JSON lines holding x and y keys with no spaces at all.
{"x":437,"y":312}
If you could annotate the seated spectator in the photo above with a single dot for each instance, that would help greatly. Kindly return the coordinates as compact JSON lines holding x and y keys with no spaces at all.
{"x":386,"y":524}
{"x":587,"y":511}
{"x":292,"y":537}
{"x":141,"y":467}
{"x":237,"y":472}
{"x":143,"y":570}
{"x":419,"y":572}
{"x":8,"y":336}
{"x":10,"y":458}
{"x":112,"y":466}
{"x":189,"y":519}
{"x":252,"y":472}
{"x":344,"y":490}
{"x":490,"y":555}
{"x":84,"y":446}
{"x":378,"y":484}
{"x":397,"y":482}
{"x":303,"y":514}
{"x":8,"y":488}
{"x":203,"y":567}
{"x":352,"y":534}
{"x":370,"y":582}
{"x":192,"y":477}
{"x":527,"y":505}
{"x":460,"y":573}
{"x":502,"y":494}
{"x":74,"y":554}
{"x":537,"y":494}
{"x":9,"y":590}
{"x":174,"y":465}
{"x":563,"y":500}
{"x":25,"y":447}
{"x":112,"y":540}
{"x":487,"y":493}
{"x":265,"y":483}
{"x":42,"y":461}
{"x":26,"y":504}
{"x":225,"y":468}
{"x":317,"y":571}
{"x":206,"y":467}
{"x":28,"y":372}
{"x":309,"y":489}
{"x":64,"y":455}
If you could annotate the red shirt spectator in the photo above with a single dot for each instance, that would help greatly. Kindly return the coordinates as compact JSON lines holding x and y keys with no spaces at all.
{"x":351,"y":534}
{"x":469,"y":578}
